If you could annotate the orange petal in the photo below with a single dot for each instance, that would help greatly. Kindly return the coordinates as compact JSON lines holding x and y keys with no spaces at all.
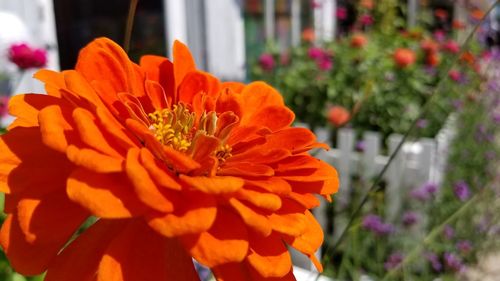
{"x":273,"y":185}
{"x":156,"y":95}
{"x":226,"y":241}
{"x":195,"y":82}
{"x":151,"y":257}
{"x":257,"y":222}
{"x":246,"y":169}
{"x":93,"y":160}
{"x":183,"y":63}
{"x":203,"y":147}
{"x":309,"y":241}
{"x":244,"y":272}
{"x":272,"y":117}
{"x":161,"y":70}
{"x":293,"y":139}
{"x":229,"y":101}
{"x":24,"y":257}
{"x":78,"y":85}
{"x":91,"y":134}
{"x":180,"y":161}
{"x":104,"y":195}
{"x":269,"y":256}
{"x":55,"y":127}
{"x":264,"y":200}
{"x":80,"y":259}
{"x":324,"y":172}
{"x":261,"y":156}
{"x":320,"y":187}
{"x":290,"y":165}
{"x":196,"y":215}
{"x":22,"y":154}
{"x":257,"y":95}
{"x":158,"y":172}
{"x":307,"y":200}
{"x":290,"y":219}
{"x":122,"y":137}
{"x":236,"y":87}
{"x":26,"y":107}
{"x":214,"y":185}
{"x":144,"y":187}
{"x":50,"y":218}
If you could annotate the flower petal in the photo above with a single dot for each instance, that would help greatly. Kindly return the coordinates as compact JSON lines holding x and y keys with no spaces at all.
{"x":152,"y":257}
{"x":93,"y":160}
{"x":183,"y":62}
{"x":226,"y":241}
{"x":104,"y":195}
{"x":257,"y":222}
{"x":309,"y":241}
{"x":269,"y":256}
{"x":213,"y":185}
{"x":158,"y":171}
{"x":80,"y":259}
{"x":22,"y":152}
{"x":144,"y":187}
{"x":196,"y":215}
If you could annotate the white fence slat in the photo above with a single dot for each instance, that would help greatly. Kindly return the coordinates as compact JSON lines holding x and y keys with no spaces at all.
{"x":394,"y":178}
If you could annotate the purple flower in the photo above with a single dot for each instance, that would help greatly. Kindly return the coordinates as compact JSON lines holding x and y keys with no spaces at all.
{"x":434,"y":260}
{"x":496,"y":117}
{"x":453,"y":262}
{"x":448,"y":232}
{"x":410,"y":218}
{"x":464,"y":246}
{"x":430,"y":70}
{"x":439,"y":35}
{"x":393,"y":261}
{"x":424,"y":192}
{"x":266,"y":61}
{"x":457,"y":104}
{"x":490,"y":155}
{"x":422,"y":123}
{"x":461,"y":190}
{"x":360,"y":146}
{"x":375,"y":224}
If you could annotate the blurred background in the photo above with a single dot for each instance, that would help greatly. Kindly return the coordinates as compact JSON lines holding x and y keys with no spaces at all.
{"x":406,"y":92}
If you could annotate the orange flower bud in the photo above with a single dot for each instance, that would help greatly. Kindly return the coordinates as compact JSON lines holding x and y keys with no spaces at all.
{"x":338,"y":116}
{"x":358,"y":40}
{"x":404,"y":57}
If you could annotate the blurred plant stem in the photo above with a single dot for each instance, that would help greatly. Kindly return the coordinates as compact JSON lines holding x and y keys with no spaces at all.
{"x":130,"y":24}
{"x":434,"y":233}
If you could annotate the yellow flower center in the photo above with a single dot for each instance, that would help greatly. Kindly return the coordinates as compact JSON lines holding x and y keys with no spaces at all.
{"x":177,"y":127}
{"x":173,"y":127}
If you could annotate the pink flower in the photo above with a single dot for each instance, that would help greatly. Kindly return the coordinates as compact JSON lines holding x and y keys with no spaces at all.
{"x":266,"y":62}
{"x":325,"y":63}
{"x":26,"y":57}
{"x":366,"y":19}
{"x":315,"y":53}
{"x":451,"y":47}
{"x":455,"y":75}
{"x":341,"y":13}
{"x":4,"y":102}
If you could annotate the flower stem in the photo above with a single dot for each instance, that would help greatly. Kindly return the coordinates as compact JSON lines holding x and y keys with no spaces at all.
{"x":130,"y":24}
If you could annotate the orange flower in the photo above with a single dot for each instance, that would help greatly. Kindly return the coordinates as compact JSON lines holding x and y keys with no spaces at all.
{"x":477,"y":14}
{"x":404,"y":57}
{"x":367,"y":4}
{"x":308,"y":35}
{"x":429,"y":46}
{"x":432,"y":59}
{"x":457,"y":24}
{"x":338,"y":116}
{"x":174,"y":164}
{"x":358,"y":40}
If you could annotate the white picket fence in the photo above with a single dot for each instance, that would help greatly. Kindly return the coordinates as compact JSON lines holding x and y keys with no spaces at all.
{"x":417,"y":162}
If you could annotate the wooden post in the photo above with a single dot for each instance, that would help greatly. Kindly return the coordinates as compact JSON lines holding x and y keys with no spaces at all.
{"x":269,"y":19}
{"x":296,"y":24}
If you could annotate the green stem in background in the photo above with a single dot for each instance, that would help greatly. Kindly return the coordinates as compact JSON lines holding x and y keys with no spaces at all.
{"x":130,"y":24}
{"x":375,"y":186}
{"x":432,"y":235}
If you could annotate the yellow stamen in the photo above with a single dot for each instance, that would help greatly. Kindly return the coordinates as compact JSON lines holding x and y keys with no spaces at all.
{"x":173,"y":127}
